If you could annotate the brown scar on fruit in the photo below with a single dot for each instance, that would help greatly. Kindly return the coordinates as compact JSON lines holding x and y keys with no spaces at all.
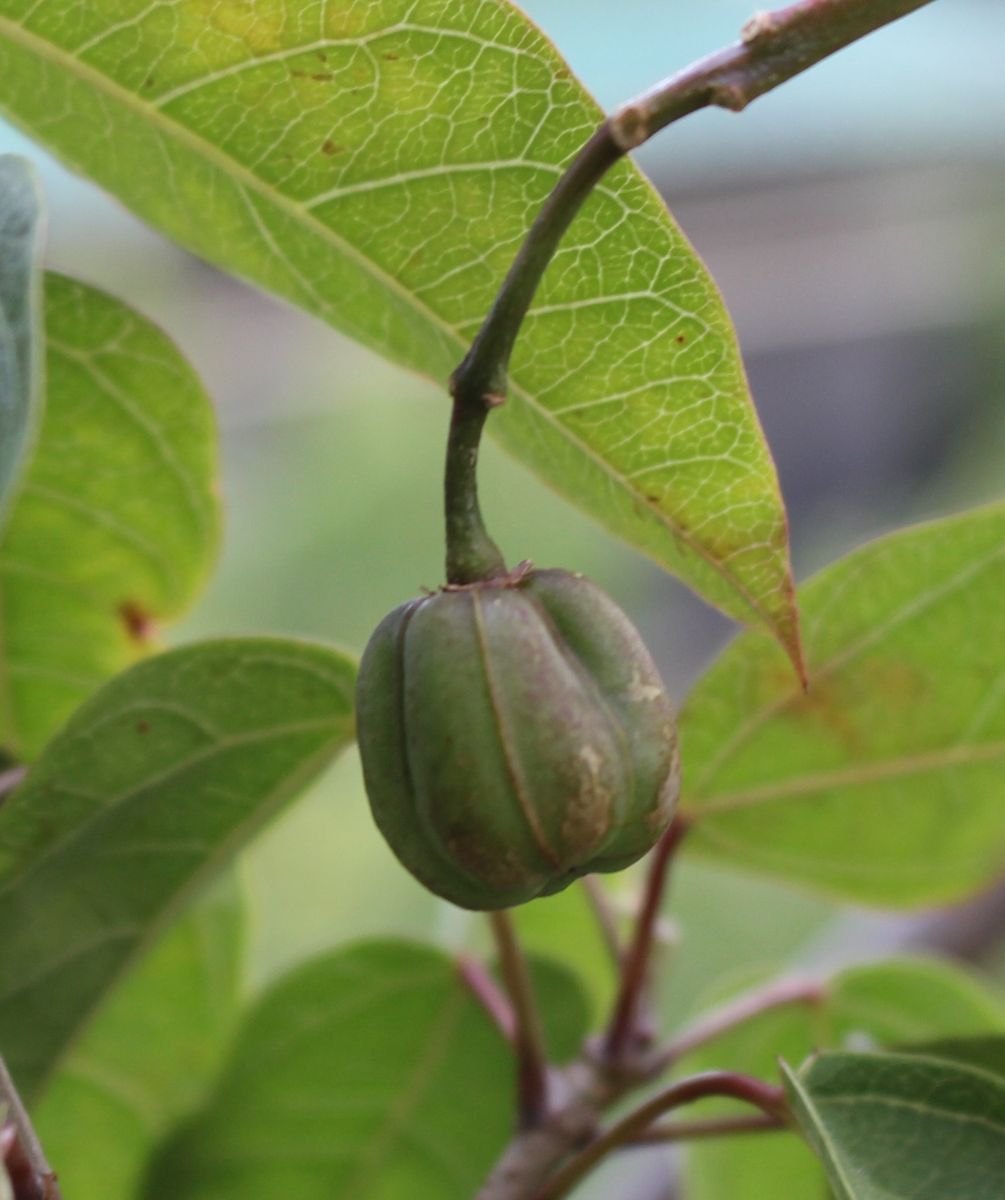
{"x":139,"y":623}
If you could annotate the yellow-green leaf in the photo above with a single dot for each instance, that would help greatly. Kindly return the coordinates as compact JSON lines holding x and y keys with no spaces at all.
{"x":885,"y":782}
{"x":379,"y":164}
{"x":116,"y":520}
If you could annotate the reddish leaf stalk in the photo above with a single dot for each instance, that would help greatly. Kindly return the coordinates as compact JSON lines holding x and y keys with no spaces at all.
{"x":765,"y":1096}
{"x":696,"y":1131}
{"x":532,"y":1065}
{"x":30,"y":1174}
{"x":488,"y":994}
{"x":623,"y":1028}
{"x":780,"y":994}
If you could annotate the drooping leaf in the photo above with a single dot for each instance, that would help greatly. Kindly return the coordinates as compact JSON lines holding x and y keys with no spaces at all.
{"x":379,"y":164}
{"x":115,"y":524}
{"x":369,"y":1073}
{"x":152,"y":785}
{"x":150,"y":1056}
{"x":21,"y":392}
{"x":885,"y":782}
{"x":881,"y":1005}
{"x":897,"y":1127}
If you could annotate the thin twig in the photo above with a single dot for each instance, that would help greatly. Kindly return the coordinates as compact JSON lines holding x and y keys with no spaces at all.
{"x":780,"y":994}
{"x":607,"y":921}
{"x":532,"y":1064}
{"x":765,"y":1096}
{"x":488,"y":994}
{"x":31,"y":1176}
{"x":696,"y":1131}
{"x":635,"y":972}
{"x":774,"y":47}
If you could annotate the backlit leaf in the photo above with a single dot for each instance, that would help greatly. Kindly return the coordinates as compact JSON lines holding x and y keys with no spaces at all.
{"x":885,"y":782}
{"x":379,"y":164}
{"x":115,"y":524}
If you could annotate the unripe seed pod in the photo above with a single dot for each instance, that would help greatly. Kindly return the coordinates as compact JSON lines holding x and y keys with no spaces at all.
{"x":515,"y":735}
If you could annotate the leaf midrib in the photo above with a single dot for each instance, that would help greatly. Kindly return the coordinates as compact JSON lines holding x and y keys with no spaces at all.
{"x":49,"y":51}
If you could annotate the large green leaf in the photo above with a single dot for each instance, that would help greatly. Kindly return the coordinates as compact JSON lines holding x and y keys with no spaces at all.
{"x":371,"y":1073}
{"x":115,"y":524}
{"x":379,"y":164}
{"x":20,"y":320}
{"x":882,"y":1004}
{"x":154,"y":782}
{"x":898,"y":1127}
{"x":149,"y":1058}
{"x":885,"y":783}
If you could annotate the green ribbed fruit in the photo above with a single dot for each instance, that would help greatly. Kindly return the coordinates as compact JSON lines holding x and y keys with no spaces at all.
{"x":515,"y":734}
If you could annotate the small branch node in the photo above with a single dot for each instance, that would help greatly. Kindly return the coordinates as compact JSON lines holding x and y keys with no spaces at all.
{"x":629,"y":126}
{"x":761,"y":25}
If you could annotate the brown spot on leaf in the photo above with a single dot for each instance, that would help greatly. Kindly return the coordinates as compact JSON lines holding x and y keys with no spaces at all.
{"x":138,"y":622}
{"x":330,"y":147}
{"x":142,"y":726}
{"x":828,"y":705}
{"x":391,"y":56}
{"x":680,"y":339}
{"x":322,"y":76}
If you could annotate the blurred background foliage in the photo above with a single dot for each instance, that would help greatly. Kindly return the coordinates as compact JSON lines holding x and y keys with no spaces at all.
{"x":855,"y":224}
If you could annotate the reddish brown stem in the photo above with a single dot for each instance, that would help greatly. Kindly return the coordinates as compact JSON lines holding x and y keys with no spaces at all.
{"x":779,"y":994}
{"x":696,"y":1131}
{"x":532,"y":1065}
{"x":488,"y":994}
{"x":623,"y":1025}
{"x":30,"y":1174}
{"x":765,"y":1096}
{"x":600,"y":902}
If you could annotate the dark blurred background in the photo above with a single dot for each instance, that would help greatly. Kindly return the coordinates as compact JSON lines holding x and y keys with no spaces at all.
{"x":855,"y":223}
